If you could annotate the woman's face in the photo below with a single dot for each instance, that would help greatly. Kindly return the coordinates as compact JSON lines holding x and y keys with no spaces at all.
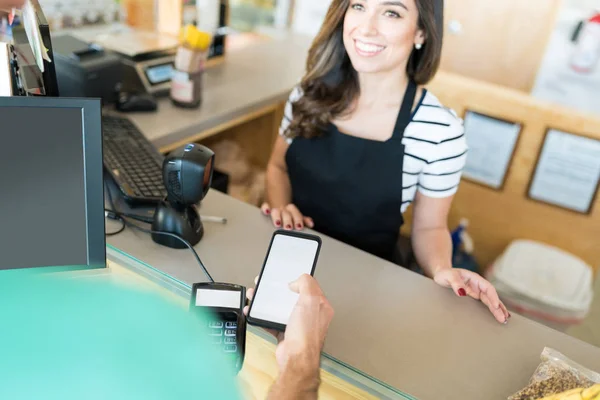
{"x":379,"y":35}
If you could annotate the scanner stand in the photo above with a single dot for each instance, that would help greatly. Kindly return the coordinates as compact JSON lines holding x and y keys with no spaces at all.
{"x":180,"y":220}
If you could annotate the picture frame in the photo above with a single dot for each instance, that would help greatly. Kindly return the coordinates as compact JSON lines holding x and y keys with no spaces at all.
{"x":562,"y":180}
{"x":491,"y":153}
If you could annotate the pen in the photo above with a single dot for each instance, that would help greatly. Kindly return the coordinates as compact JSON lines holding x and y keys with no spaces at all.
{"x":219,"y":220}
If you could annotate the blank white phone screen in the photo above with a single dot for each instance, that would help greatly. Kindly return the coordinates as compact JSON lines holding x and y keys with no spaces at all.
{"x":288,"y":259}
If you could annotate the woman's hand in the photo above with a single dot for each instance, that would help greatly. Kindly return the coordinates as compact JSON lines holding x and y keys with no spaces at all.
{"x":288,"y":217}
{"x":467,"y":283}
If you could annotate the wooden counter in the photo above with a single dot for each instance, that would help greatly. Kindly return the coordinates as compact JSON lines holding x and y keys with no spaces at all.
{"x":394,"y":325}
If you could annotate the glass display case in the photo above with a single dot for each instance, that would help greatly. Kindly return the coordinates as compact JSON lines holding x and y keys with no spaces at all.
{"x":338,"y":379}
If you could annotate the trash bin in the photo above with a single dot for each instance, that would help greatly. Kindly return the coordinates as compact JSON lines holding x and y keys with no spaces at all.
{"x":543,"y":283}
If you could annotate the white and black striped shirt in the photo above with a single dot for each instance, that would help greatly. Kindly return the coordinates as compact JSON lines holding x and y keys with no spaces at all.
{"x":435,"y":149}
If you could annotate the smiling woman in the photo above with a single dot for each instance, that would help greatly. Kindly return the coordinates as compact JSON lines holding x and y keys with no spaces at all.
{"x":387,"y":29}
{"x":362,"y":139}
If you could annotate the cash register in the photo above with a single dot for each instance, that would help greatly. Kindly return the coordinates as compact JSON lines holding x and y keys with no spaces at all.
{"x":124,"y":59}
{"x":149,"y":58}
{"x":135,"y":61}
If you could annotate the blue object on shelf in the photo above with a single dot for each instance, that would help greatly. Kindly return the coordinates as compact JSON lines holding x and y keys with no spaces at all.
{"x":462,"y":248}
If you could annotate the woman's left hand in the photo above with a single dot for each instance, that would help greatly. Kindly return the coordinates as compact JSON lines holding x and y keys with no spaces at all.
{"x":467,"y":283}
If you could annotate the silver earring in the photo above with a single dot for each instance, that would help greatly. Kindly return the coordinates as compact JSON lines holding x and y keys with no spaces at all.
{"x":418,"y":46}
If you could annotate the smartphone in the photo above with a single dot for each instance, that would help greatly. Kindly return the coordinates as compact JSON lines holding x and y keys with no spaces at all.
{"x":290,"y":255}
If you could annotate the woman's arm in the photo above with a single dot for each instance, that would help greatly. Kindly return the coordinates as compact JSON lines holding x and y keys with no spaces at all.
{"x":433,"y":249}
{"x":430,"y":235}
{"x":431,"y":239}
{"x":279,"y":190}
{"x":278,"y":202}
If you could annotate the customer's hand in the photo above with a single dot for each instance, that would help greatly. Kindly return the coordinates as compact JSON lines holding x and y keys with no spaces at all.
{"x":467,"y":283}
{"x":308,"y":324}
{"x":299,"y":350}
{"x":288,"y":217}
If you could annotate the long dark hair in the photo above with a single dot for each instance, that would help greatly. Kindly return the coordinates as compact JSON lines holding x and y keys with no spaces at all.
{"x":330,"y":84}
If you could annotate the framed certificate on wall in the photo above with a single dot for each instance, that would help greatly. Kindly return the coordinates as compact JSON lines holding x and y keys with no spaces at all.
{"x":492,"y":144}
{"x":567,"y":172}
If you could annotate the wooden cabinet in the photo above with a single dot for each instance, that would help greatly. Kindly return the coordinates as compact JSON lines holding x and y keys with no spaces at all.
{"x":501,"y":42}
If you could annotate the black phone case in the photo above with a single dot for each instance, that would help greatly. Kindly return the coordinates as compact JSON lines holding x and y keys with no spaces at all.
{"x":273,"y":325}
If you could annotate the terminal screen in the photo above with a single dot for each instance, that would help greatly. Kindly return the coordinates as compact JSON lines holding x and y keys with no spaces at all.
{"x":159,"y":73}
{"x":218,"y":298}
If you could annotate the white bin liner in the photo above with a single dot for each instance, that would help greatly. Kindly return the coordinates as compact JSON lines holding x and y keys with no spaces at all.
{"x":543,"y":281}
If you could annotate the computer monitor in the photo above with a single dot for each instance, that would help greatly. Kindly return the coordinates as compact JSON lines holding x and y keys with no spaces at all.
{"x":52,"y":203}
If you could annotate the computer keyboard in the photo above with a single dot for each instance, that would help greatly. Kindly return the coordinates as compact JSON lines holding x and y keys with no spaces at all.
{"x":132,"y":161}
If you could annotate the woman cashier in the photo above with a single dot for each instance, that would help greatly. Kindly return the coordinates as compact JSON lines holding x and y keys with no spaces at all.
{"x":362,"y":139}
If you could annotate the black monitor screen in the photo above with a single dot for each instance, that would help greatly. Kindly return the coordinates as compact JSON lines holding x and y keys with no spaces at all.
{"x":49,"y":213}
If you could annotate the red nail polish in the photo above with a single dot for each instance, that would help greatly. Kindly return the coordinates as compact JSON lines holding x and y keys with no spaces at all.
{"x":278,"y":223}
{"x":462,"y":292}
{"x":288,"y":227}
{"x":299,"y":226}
{"x":267,"y":211}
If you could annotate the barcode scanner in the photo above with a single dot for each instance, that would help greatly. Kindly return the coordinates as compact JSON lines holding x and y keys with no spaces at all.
{"x":187,"y":175}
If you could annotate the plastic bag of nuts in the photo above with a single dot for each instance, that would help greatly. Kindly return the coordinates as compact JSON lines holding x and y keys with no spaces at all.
{"x":556,"y":374}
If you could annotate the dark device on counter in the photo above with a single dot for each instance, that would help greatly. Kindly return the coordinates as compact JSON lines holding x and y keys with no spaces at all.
{"x":86,"y":70}
{"x":223,"y":304}
{"x":187,"y":176}
{"x":132,"y":161}
{"x":136,"y":102}
{"x":290,"y":255}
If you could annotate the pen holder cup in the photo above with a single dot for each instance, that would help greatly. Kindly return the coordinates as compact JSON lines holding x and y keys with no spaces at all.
{"x":186,"y":82}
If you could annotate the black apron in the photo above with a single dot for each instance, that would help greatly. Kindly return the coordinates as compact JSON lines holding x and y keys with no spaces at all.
{"x":352,"y":187}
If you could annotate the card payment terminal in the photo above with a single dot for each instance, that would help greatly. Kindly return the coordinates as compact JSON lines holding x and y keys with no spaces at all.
{"x":223,"y":305}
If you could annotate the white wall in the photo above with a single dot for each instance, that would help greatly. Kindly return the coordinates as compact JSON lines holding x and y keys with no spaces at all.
{"x":581,"y":4}
{"x":556,"y":81}
{"x":309,"y":15}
